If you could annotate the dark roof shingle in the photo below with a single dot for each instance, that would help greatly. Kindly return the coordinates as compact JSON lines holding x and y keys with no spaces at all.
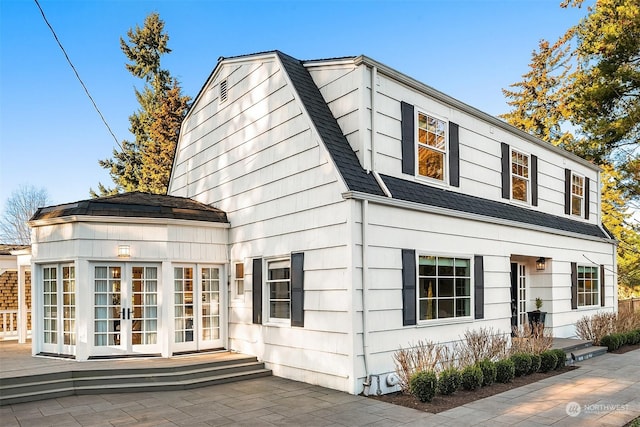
{"x":431,"y":196}
{"x":136,"y":205}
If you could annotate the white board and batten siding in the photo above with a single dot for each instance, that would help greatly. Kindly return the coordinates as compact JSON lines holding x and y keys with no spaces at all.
{"x":257,"y":157}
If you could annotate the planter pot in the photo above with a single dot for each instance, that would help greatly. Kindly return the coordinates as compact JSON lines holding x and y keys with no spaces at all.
{"x":536,"y":317}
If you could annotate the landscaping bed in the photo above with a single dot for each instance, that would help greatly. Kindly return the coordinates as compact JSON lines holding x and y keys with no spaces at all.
{"x":442,"y":403}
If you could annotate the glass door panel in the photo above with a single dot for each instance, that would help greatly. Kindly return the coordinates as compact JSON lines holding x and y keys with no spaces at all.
{"x":522,"y":295}
{"x":59,"y":309}
{"x":183,"y":305}
{"x":210,"y":312}
{"x":107,"y":306}
{"x":144,"y":306}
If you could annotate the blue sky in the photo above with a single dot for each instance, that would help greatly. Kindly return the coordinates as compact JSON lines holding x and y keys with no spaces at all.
{"x":51,"y":137}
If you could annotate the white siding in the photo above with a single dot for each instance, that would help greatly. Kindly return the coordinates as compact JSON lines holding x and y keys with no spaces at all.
{"x":258,"y":158}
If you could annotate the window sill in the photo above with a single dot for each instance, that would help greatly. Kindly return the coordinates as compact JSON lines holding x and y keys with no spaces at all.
{"x":431,"y":181}
{"x":443,"y":322}
{"x":278,"y":324}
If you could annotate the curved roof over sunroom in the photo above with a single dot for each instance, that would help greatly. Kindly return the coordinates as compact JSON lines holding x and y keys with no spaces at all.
{"x":135,"y":205}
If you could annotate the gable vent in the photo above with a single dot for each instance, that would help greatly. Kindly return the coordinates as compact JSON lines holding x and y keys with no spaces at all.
{"x":223,"y":91}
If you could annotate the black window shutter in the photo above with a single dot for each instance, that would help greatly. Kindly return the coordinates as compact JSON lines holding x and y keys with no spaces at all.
{"x":602,"y":285}
{"x":567,"y":191}
{"x":257,"y":290}
{"x":534,"y":180}
{"x":454,"y":155}
{"x":574,"y":285}
{"x":409,"y":287}
{"x":586,"y":198}
{"x":506,"y":171}
{"x":297,"y":289}
{"x":408,"y":139}
{"x":478,"y":286}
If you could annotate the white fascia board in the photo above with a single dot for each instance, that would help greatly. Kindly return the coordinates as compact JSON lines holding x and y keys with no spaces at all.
{"x":125,"y":220}
{"x":442,"y":97}
{"x":403,"y":204}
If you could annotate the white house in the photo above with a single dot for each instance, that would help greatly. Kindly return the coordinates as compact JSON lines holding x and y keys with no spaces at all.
{"x":322,"y":214}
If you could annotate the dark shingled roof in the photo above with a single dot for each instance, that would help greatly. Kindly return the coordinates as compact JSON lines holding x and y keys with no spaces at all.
{"x":431,"y":196}
{"x":356,"y":178}
{"x":5,"y":249}
{"x":136,"y":205}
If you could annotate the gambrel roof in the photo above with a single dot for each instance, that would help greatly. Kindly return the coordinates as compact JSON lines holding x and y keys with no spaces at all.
{"x":359,"y":181}
{"x":136,"y":205}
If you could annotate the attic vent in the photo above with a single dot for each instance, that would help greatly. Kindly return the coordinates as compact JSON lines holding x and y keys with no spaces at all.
{"x":223,"y":91}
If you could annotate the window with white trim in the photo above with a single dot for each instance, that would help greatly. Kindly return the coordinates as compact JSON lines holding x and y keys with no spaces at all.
{"x":577,"y":194}
{"x":519,"y":176}
{"x":239,"y":279}
{"x":444,"y":287}
{"x":432,"y":146}
{"x":279,"y":289}
{"x":588,"y":286}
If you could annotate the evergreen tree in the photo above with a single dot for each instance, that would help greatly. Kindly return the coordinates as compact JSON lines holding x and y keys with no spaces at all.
{"x":145,"y":163}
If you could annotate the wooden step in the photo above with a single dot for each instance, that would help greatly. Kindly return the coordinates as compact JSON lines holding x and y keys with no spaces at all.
{"x":96,"y":381}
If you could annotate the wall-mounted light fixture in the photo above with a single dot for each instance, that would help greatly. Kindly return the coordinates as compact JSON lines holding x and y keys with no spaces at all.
{"x":124,"y":251}
{"x":541,"y":264}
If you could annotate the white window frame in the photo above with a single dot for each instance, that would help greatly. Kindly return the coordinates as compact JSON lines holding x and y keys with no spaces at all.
{"x":238,"y":288}
{"x":444,"y":152}
{"x":267,"y":287}
{"x":580,"y":197}
{"x":595,"y":290}
{"x":513,"y":175}
{"x":446,"y":320}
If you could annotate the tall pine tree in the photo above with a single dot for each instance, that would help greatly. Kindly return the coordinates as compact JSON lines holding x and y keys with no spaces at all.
{"x":144,"y":164}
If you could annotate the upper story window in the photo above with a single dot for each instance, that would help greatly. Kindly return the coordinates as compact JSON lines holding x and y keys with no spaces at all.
{"x":279,"y":289}
{"x":444,"y":287}
{"x":432,"y":146}
{"x":588,"y":286}
{"x":519,"y":176}
{"x":577,"y":194}
{"x":239,"y":279}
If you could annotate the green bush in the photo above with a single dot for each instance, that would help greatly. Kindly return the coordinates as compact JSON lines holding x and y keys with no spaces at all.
{"x":423,"y":385}
{"x":505,"y":371}
{"x":613,"y":341}
{"x":449,"y":381}
{"x":636,"y":336}
{"x":622,"y":339}
{"x":471,"y":377}
{"x":488,"y":369}
{"x":548,"y":360}
{"x":535,"y":363}
{"x":522,"y":363}
{"x":562,"y":358}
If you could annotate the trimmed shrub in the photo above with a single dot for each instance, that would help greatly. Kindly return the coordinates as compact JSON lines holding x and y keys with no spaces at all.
{"x":423,"y":385}
{"x":635,"y":337}
{"x":548,"y":360}
{"x":622,"y":339}
{"x":522,"y":363}
{"x":562,"y":358}
{"x":471,"y":378}
{"x":449,"y":381}
{"x":505,"y":371}
{"x":630,"y":337}
{"x":535,"y":363}
{"x":613,"y":341}
{"x":488,"y":369}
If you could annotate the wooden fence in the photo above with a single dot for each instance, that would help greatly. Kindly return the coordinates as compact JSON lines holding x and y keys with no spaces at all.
{"x":632,"y":304}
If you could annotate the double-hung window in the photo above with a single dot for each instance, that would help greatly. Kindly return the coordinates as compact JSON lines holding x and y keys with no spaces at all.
{"x":588,"y":286}
{"x":444,"y":287}
{"x":432,"y":146}
{"x":279,"y":289}
{"x":239,"y":279}
{"x":577,"y":194}
{"x":519,"y":176}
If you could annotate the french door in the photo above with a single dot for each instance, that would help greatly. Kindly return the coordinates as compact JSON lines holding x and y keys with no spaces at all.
{"x":126,"y":309}
{"x":519,"y":294}
{"x":197,"y":298}
{"x":58,"y":292}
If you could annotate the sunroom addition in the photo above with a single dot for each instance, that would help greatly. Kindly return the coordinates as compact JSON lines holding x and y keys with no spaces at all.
{"x":129,"y":275}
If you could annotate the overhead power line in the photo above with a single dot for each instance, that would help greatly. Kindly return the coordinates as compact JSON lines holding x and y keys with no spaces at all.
{"x":78,"y":76}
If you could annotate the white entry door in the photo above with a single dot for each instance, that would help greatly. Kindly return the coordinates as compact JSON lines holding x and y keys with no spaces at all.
{"x":522,"y":294}
{"x":125,"y":309}
{"x":198,"y":299}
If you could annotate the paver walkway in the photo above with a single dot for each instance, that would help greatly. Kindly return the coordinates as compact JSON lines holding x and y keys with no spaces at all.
{"x":605,"y":391}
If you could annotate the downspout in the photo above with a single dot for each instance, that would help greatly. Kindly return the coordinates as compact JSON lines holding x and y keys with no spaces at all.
{"x":365,"y":281}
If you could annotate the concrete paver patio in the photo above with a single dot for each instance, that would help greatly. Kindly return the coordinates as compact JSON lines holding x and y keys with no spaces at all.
{"x":605,"y":391}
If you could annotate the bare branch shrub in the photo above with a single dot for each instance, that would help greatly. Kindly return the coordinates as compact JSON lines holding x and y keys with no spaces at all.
{"x":480,"y":344}
{"x":424,"y":356}
{"x":593,"y":328}
{"x":627,"y":321}
{"x":531,"y":339}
